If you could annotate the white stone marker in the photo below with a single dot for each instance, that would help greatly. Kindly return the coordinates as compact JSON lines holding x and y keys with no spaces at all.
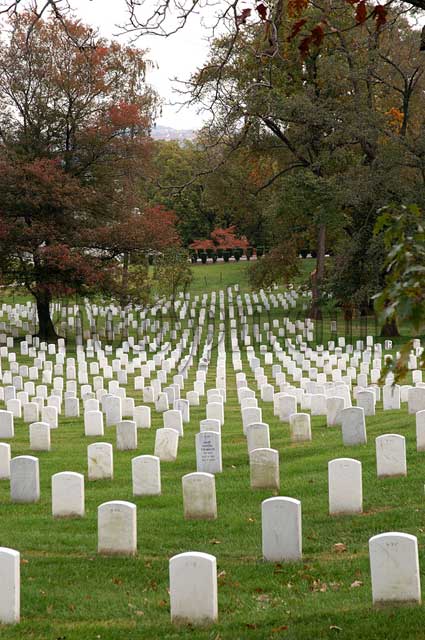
{"x":24,"y":479}
{"x":72,"y":408}
{"x":286,"y":407}
{"x":6,"y":425}
{"x":117,"y":528}
{"x":208,"y":452}
{"x":281,"y":529}
{"x":391,"y":397}
{"x":334,"y":406}
{"x":173,"y":419}
{"x":318,"y":404}
{"x":420,"y":430}
{"x":4,"y":461}
{"x":40,"y":436}
{"x":112,"y":407}
{"x":93,"y":423}
{"x":126,"y":435}
{"x":31,"y":412}
{"x":345,"y":486}
{"x":10,"y":581}
{"x":394,"y":567}
{"x":210,"y":425}
{"x":142,"y":417}
{"x":215,"y":411}
{"x":416,"y":399}
{"x":193,"y":588}
{"x":366,"y":400}
{"x":166,"y":444}
{"x":353,"y":426}
{"x":50,"y":415}
{"x":299,"y":426}
{"x":199,"y":498}
{"x":391,"y":455}
{"x":100,"y":461}
{"x":68,"y":495}
{"x":264,"y":469}
{"x":146,"y":475}
{"x":258,"y":436}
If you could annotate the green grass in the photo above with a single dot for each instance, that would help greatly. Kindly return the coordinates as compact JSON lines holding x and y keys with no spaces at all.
{"x":70,"y":592}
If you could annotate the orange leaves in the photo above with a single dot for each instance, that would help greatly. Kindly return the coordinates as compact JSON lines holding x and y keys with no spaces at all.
{"x":125,"y":115}
{"x":395,"y":118}
{"x":296,"y":7}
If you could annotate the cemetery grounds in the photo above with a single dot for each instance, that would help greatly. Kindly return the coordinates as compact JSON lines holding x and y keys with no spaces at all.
{"x":69,"y":591}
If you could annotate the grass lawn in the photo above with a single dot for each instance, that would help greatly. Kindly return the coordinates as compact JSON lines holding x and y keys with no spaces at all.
{"x":69,"y":592}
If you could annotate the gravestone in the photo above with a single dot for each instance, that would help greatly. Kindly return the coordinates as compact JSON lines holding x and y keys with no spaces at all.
{"x":258,"y":436}
{"x":366,"y":400}
{"x":391,"y":455}
{"x":166,"y":444}
{"x":68,"y":495}
{"x":286,"y":407}
{"x":100,"y":461}
{"x":334,"y":406}
{"x":353,"y":426}
{"x":126,"y":435}
{"x":142,"y":417}
{"x":199,"y":498}
{"x":420,"y":430}
{"x":264,"y":469}
{"x":208,"y":452}
{"x":24,"y":479}
{"x":39,"y":436}
{"x":210,"y":425}
{"x":345,"y":486}
{"x":10,"y":581}
{"x":193,"y":589}
{"x":6,"y":425}
{"x":173,"y":419}
{"x":93,"y":423}
{"x":4,"y":461}
{"x":394,"y":567}
{"x":300,"y":428}
{"x":416,"y":399}
{"x":117,"y":528}
{"x":146,"y":476}
{"x":281,"y":529}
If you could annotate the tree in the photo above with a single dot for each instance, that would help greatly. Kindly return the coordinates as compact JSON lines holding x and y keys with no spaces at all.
{"x":172,"y":273}
{"x":74,"y":128}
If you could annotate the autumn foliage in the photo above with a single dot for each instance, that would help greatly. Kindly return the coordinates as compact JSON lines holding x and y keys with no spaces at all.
{"x":75,"y":140}
{"x":221,"y":239}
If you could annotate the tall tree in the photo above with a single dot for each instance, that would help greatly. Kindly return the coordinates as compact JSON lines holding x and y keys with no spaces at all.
{"x":74,"y":128}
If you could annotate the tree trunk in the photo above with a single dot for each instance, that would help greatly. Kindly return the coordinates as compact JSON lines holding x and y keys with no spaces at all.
{"x":319,"y":272}
{"x":46,"y":329}
{"x":390,"y":329}
{"x":124,"y":281}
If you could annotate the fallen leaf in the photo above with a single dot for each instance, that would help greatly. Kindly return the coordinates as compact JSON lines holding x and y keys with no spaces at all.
{"x":117,"y":581}
{"x":24,"y":561}
{"x":339,"y":547}
{"x":264,"y":597}
{"x":139,"y":613}
{"x":356,"y":583}
{"x":250,"y":625}
{"x":284,"y":627}
{"x":333,"y":627}
{"x":213,"y":541}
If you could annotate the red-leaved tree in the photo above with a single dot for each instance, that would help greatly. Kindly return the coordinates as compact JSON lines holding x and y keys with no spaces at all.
{"x":74,"y":140}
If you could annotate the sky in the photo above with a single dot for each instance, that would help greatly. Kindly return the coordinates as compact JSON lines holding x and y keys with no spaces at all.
{"x":177,"y":56}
